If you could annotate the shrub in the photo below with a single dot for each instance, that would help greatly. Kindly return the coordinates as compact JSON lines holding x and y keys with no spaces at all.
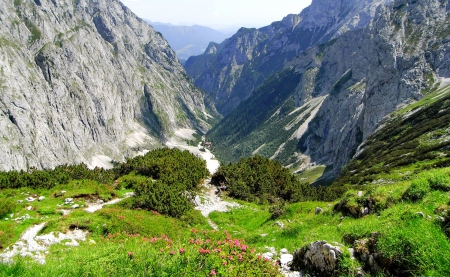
{"x":418,"y":189}
{"x":6,"y":206}
{"x":158,"y":196}
{"x":439,"y":181}
{"x":277,"y":211}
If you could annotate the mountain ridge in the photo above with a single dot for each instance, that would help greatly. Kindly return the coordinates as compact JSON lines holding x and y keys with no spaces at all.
{"x":88,"y":81}
{"x":251,"y":55}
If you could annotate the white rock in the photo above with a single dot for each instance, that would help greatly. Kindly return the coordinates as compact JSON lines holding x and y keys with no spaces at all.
{"x":75,"y":206}
{"x":284,"y":251}
{"x":286,"y":258}
{"x":41,"y":198}
{"x":30,"y":199}
{"x":29,"y":208}
{"x":268,"y":255}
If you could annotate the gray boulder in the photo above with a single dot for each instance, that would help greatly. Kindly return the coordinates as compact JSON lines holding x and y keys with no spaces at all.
{"x":318,"y":256}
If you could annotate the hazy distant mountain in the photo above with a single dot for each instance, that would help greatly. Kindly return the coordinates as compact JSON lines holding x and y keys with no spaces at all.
{"x":188,"y":41}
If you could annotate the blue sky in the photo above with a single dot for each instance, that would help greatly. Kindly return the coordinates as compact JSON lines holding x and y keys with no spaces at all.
{"x":218,"y":14}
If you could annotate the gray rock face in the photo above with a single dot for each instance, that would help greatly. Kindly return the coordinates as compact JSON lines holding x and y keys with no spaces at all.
{"x":87,"y":80}
{"x":320,"y":257}
{"x":232,"y":70}
{"x":370,"y":73}
{"x":343,"y":90}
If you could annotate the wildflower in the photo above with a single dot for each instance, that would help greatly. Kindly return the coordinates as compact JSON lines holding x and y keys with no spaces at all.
{"x":204,"y":232}
{"x":181,"y":250}
{"x":130,"y":255}
{"x":230,"y":257}
{"x":172,"y":252}
{"x":223,"y":256}
{"x":224,"y":263}
{"x":212,"y":273}
{"x":162,"y":249}
{"x":207,"y":241}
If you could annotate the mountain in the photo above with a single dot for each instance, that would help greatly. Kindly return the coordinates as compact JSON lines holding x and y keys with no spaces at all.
{"x":188,"y":41}
{"x":88,"y":81}
{"x":230,"y":71}
{"x":332,"y":97}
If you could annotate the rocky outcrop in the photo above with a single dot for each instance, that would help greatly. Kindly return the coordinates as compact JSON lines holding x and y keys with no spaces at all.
{"x":345,"y":89}
{"x":319,"y":258}
{"x":244,"y":61}
{"x":88,"y":81}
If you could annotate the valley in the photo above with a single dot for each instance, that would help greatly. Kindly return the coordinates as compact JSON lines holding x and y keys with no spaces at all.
{"x":316,"y":146}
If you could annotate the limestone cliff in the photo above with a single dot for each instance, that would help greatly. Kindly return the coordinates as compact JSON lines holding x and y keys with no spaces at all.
{"x":241,"y":63}
{"x":85,"y":80}
{"x":346,"y":89}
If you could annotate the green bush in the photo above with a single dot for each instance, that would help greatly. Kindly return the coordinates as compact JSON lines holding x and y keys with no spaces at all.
{"x":162,"y":198}
{"x":418,"y":189}
{"x":439,"y":181}
{"x":6,"y":206}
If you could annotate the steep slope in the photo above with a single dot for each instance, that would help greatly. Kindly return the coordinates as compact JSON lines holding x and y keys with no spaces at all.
{"x":188,"y":41}
{"x":414,"y":139}
{"x":347,"y":87}
{"x":229,"y":72}
{"x":85,"y":80}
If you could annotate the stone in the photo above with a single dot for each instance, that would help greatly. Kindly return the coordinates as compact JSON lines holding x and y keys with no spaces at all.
{"x":285,"y":259}
{"x":75,"y":206}
{"x":421,"y":214}
{"x":30,"y":199}
{"x":364,"y":211}
{"x":41,"y":198}
{"x":284,"y":251}
{"x":68,"y":201}
{"x":279,"y":224}
{"x":19,"y":201}
{"x":29,"y":208}
{"x":271,"y":250}
{"x":318,"y":256}
{"x":268,"y":255}
{"x":319,"y":210}
{"x":360,"y":193}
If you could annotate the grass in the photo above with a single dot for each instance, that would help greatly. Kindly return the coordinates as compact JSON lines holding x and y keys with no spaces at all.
{"x":311,"y":175}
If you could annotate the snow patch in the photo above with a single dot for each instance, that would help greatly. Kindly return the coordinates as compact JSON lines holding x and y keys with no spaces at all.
{"x":185,"y":134}
{"x":101,"y":161}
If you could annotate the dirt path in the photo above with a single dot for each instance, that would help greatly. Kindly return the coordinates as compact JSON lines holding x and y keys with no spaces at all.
{"x":208,"y":202}
{"x":36,"y":247}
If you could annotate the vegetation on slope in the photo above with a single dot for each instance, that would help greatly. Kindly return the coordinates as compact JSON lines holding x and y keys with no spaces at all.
{"x":237,"y":128}
{"x":416,"y":139}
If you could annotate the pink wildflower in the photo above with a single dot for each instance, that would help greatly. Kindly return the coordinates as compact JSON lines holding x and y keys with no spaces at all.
{"x":181,"y":250}
{"x":162,"y":249}
{"x":172,"y":252}
{"x":213,"y":273}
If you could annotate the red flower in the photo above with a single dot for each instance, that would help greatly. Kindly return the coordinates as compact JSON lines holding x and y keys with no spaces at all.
{"x":181,"y":250}
{"x":213,"y":273}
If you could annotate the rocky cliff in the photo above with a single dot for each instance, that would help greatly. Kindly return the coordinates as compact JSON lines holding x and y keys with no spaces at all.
{"x":346,"y":89}
{"x":232,"y":70}
{"x":86,"y":81}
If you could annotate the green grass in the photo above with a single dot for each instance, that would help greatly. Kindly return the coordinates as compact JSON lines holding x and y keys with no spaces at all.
{"x":311,"y":175}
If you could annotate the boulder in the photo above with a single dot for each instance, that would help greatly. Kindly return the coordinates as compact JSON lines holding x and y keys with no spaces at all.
{"x":279,"y":224}
{"x":364,"y":211}
{"x":319,"y":210}
{"x":68,"y":201}
{"x":319,"y":256}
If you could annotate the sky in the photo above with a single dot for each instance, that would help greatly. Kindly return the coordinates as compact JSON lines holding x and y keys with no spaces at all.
{"x":217,"y":14}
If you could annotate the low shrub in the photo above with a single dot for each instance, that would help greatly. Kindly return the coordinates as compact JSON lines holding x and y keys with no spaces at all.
{"x":157,"y":196}
{"x":418,"y":189}
{"x":6,"y":206}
